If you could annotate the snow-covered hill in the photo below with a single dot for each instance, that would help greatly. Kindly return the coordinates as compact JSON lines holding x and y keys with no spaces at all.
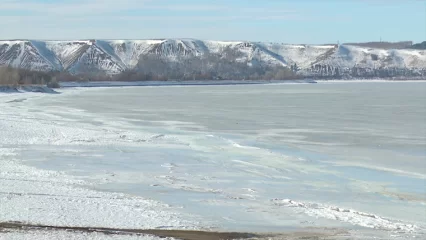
{"x":115,"y":56}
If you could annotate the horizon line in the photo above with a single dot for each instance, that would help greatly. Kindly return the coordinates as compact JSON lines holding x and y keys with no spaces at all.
{"x":163,"y":39}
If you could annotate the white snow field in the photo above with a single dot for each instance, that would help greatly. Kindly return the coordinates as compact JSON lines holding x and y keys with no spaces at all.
{"x":61,"y":235}
{"x":250,"y":158}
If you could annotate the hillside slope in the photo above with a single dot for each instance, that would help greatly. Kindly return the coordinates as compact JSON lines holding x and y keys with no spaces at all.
{"x":115,"y":56}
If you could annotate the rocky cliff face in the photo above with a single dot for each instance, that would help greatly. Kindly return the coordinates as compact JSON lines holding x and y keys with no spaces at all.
{"x":115,"y":56}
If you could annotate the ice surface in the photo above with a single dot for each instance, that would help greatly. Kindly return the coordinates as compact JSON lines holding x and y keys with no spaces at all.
{"x":28,"y":194}
{"x":218,"y":157}
{"x":52,"y":198}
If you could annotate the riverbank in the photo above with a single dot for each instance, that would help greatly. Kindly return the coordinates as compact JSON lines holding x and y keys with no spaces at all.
{"x":175,"y":83}
{"x":17,"y":228}
{"x":27,"y":88}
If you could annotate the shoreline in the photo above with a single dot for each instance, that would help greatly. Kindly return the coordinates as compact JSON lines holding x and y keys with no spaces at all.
{"x":175,"y":234}
{"x":103,"y":84}
{"x":220,"y":82}
{"x":179,"y":83}
{"x":27,"y":88}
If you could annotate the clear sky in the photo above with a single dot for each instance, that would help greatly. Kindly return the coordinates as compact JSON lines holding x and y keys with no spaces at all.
{"x":287,"y":21}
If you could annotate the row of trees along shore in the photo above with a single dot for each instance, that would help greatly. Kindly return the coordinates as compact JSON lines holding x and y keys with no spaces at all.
{"x":156,"y":67}
{"x":14,"y":77}
{"x":210,"y":66}
{"x":174,"y":71}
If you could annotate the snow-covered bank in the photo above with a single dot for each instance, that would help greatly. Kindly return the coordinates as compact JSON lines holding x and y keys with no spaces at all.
{"x":52,"y":198}
{"x":22,"y":89}
{"x":43,"y":234}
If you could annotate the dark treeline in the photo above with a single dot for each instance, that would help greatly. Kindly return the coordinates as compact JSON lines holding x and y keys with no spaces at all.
{"x":319,"y":71}
{"x":384,"y":45}
{"x":15,"y":77}
{"x":155,"y":67}
{"x":421,"y":45}
{"x":205,"y":67}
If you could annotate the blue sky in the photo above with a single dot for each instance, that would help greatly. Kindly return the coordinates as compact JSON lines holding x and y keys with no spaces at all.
{"x":287,"y":21}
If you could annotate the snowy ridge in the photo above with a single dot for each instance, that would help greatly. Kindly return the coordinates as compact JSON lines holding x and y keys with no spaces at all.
{"x":115,"y":56}
{"x":349,"y":56}
{"x":23,"y":54}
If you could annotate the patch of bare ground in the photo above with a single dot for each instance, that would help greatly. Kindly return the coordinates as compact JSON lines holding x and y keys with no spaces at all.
{"x":178,"y":234}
